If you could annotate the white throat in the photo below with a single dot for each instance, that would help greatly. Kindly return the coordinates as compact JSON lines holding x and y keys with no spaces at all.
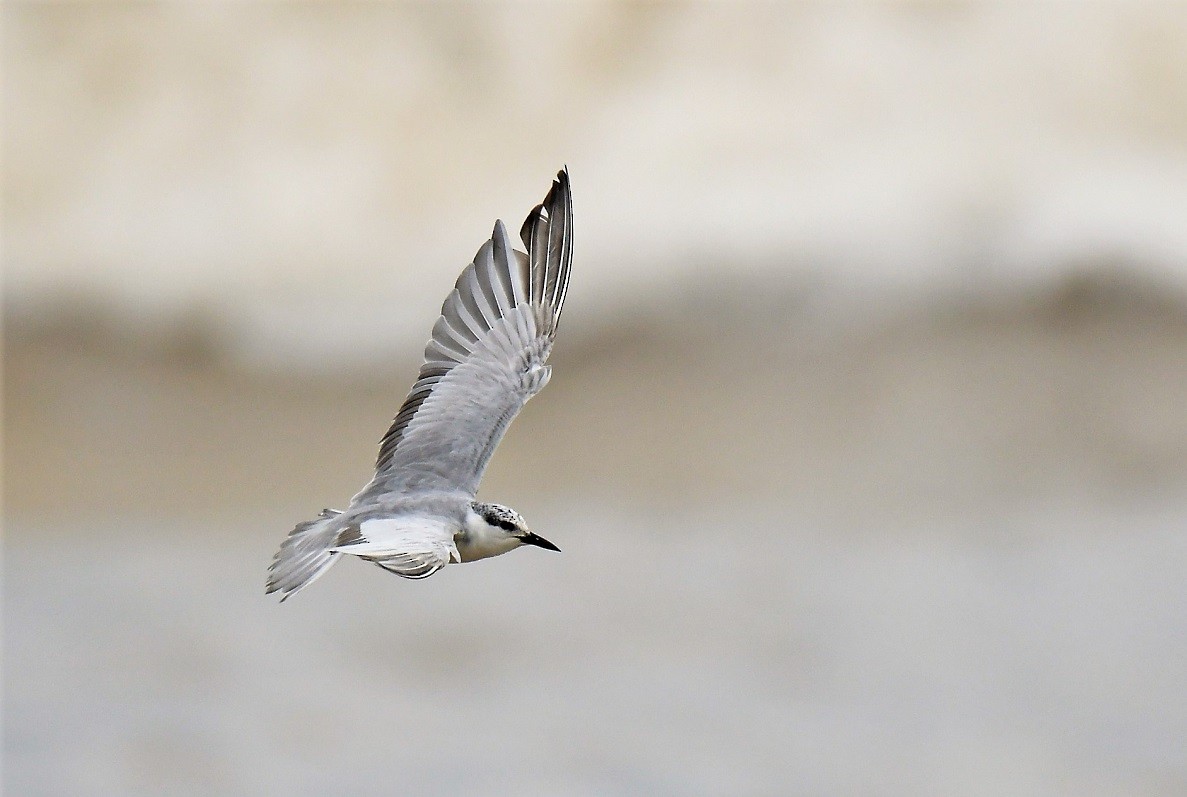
{"x":478,"y":539}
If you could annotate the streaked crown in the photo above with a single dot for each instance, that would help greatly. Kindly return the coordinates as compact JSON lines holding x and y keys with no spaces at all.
{"x":501,"y":516}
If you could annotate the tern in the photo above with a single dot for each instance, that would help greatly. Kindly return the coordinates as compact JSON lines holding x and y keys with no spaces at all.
{"x":486,"y":358}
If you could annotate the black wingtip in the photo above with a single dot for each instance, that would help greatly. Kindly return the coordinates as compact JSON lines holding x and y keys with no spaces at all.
{"x":529,"y":224}
{"x":561,"y":182}
{"x":559,"y":188}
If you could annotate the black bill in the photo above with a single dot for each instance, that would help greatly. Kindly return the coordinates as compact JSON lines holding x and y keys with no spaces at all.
{"x":536,"y":539}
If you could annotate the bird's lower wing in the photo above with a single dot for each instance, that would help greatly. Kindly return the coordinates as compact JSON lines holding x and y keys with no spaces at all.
{"x":409,"y":549}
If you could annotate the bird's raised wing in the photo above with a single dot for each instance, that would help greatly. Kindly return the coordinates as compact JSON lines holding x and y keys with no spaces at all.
{"x":486,"y":357}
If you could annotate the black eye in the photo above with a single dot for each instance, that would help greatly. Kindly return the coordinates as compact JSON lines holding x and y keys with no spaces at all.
{"x":505,"y":524}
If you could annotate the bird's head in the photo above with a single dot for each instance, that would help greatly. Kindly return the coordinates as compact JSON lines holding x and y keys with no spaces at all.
{"x":511,"y":523}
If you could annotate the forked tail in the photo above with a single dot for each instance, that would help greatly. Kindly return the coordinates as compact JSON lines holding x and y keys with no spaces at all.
{"x":304,"y":555}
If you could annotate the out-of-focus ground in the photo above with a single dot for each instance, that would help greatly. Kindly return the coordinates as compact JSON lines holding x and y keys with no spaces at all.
{"x":866,"y":443}
{"x":944,"y":554}
{"x":935,"y":412}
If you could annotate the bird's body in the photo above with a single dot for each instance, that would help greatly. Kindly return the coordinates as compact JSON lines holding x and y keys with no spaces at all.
{"x":486,"y":358}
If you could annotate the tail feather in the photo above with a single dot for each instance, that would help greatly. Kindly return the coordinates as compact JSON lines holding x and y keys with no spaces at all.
{"x":304,"y":555}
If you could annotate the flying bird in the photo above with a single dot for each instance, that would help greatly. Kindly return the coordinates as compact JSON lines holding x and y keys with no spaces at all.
{"x":486,"y":358}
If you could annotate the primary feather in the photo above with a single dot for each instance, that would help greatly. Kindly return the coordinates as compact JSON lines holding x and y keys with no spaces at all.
{"x":486,"y":357}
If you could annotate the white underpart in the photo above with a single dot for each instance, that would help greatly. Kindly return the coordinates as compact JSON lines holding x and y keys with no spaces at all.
{"x":401,"y":536}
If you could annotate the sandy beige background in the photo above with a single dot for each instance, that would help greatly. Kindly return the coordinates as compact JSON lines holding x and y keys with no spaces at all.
{"x":866,"y":443}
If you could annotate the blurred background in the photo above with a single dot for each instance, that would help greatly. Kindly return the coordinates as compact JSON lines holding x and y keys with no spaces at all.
{"x":866,"y":442}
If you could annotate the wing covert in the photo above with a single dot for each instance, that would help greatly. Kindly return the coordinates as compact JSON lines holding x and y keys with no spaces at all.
{"x":485,"y":359}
